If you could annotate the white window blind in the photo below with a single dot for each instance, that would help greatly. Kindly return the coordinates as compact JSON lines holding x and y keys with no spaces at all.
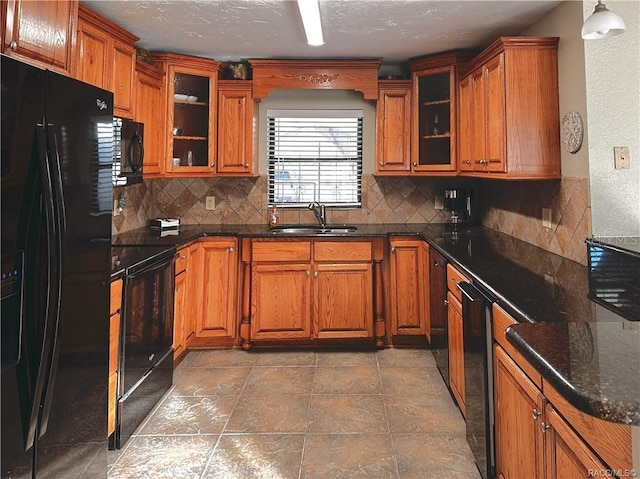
{"x":315,"y":155}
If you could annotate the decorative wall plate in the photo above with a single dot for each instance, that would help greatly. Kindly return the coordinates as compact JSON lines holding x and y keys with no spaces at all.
{"x":571,"y":131}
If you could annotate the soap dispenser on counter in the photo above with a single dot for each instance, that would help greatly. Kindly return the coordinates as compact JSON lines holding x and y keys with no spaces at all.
{"x":274,"y":216}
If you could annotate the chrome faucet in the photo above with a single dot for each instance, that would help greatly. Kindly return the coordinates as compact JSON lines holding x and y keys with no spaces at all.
{"x":320,"y":211}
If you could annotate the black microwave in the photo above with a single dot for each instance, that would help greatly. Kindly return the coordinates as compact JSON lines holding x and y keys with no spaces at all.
{"x":128,"y":139}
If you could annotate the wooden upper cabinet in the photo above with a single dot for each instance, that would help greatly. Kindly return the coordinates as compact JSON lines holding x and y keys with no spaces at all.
{"x":509,"y":114}
{"x":41,"y":32}
{"x":434,"y":120}
{"x":149,"y":108}
{"x":191,"y":95}
{"x":237,"y":129}
{"x":106,"y":58}
{"x":393,"y":128}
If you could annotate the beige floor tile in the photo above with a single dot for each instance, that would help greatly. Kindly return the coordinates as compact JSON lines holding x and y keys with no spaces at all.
{"x":274,"y":413}
{"x":285,"y":358}
{"x":427,"y":456}
{"x":282,"y":380}
{"x":419,"y":358}
{"x":424,"y":414}
{"x":348,"y":456}
{"x":190,"y":415}
{"x":210,"y":381}
{"x":256,"y":456}
{"x":347,"y":414}
{"x":346,"y":358}
{"x":227,"y":358}
{"x":410,"y":380}
{"x":164,"y":457}
{"x":347,"y":380}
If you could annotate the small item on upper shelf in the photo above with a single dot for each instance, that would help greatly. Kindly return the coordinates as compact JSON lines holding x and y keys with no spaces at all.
{"x":274,"y":217}
{"x":436,"y":126}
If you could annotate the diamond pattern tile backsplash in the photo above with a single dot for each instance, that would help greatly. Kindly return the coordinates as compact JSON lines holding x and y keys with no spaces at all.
{"x":514,"y":208}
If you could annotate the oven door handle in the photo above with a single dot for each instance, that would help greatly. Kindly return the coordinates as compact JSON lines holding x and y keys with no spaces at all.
{"x":472,"y":315}
{"x":157,"y":266}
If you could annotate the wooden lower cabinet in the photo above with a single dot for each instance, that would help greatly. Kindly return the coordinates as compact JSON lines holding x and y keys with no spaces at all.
{"x":518,"y":431}
{"x":219,"y":289}
{"x":311,"y":290}
{"x":566,"y":454}
{"x":281,"y":301}
{"x":343,"y":301}
{"x":114,"y":351}
{"x":456,"y":350}
{"x":409,"y":298}
{"x":179,"y":315}
{"x":538,"y":434}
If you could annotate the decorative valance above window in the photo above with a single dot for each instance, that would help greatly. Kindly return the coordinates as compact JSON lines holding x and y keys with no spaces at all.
{"x":359,"y":75}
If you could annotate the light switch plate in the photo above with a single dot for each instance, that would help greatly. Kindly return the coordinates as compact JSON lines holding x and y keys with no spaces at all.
{"x":621,"y":157}
{"x":438,"y":203}
{"x":210,"y":203}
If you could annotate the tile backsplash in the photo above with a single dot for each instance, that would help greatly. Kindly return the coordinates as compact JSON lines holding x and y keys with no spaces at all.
{"x":514,"y":208}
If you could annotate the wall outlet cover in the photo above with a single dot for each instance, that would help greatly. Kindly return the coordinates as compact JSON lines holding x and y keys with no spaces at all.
{"x":210,"y":203}
{"x":621,"y":157}
{"x":546,"y":218}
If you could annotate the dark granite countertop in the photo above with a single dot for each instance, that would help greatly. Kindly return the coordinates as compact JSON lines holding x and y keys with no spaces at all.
{"x":534,"y":286}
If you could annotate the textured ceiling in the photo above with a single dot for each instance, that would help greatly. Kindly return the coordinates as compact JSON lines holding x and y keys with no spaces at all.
{"x":390,"y":30}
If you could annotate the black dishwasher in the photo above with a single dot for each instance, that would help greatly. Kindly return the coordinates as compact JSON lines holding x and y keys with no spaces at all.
{"x":145,"y":364}
{"x":478,"y":375}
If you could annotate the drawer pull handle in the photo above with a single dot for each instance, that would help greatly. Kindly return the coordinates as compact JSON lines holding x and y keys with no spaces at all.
{"x":535,"y":414}
{"x":544,"y":427}
{"x":13,"y":46}
{"x":436,"y":264}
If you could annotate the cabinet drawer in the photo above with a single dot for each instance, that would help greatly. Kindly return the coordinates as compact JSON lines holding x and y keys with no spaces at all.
{"x":453,"y":278}
{"x":114,"y":336}
{"x":335,"y":251}
{"x":181,"y":261}
{"x":501,"y":321}
{"x":267,"y":251}
{"x":116,"y":296}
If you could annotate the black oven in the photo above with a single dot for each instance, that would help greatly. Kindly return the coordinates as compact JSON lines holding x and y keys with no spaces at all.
{"x":128,"y":151}
{"x":146,"y":335}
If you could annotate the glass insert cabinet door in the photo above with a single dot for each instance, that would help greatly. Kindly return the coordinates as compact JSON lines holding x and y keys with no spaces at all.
{"x":191,"y":120}
{"x":435,"y":126}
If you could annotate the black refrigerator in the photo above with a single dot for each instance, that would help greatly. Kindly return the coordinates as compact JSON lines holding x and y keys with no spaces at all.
{"x":56,"y":191}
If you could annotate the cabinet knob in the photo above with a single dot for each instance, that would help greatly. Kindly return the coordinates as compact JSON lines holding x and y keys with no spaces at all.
{"x":246,"y":165}
{"x":13,"y":46}
{"x":535,"y":414}
{"x":436,"y":263}
{"x":415,"y":163}
{"x":315,"y":274}
{"x":231,"y":249}
{"x":307,"y":273}
{"x":544,"y":427}
{"x":393,"y":249}
{"x":212,"y":165}
{"x":446,"y":302}
{"x":381,"y":163}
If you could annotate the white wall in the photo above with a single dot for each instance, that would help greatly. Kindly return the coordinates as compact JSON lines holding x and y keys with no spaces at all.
{"x":612,"y":68}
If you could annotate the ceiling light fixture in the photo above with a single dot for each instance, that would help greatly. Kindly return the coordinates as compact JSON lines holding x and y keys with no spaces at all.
{"x":602,"y":24}
{"x":310,"y":13}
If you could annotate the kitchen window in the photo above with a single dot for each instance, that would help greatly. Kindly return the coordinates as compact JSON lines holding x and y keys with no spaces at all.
{"x":315,"y":155}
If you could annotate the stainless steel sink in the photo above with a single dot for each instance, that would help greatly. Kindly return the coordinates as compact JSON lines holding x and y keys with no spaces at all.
{"x":312,"y":230}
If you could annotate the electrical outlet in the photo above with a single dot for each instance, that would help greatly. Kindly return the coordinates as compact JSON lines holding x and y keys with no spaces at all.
{"x":621,"y":158}
{"x":546,"y":218}
{"x":438,"y":203}
{"x":210,"y":203}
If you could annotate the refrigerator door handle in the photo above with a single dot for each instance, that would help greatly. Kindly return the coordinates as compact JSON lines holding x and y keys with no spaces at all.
{"x":57,"y":260}
{"x":50,"y":300}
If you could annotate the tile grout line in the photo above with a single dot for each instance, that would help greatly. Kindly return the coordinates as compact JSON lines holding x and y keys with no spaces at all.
{"x":222,"y":430}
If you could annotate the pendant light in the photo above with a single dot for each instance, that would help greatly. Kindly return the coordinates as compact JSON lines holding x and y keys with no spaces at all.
{"x":602,"y":24}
